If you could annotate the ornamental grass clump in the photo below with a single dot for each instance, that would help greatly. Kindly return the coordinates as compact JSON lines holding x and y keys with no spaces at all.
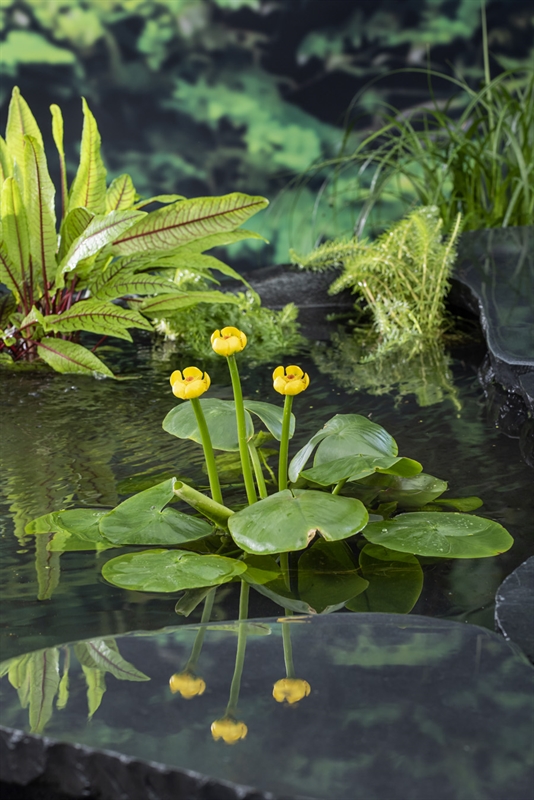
{"x":314,"y":538}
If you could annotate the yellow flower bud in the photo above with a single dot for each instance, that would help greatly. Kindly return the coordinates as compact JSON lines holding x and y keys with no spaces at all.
{"x":229,"y":730}
{"x":292,"y":380}
{"x":193,"y":383}
{"x":290,"y":689}
{"x":187,"y":684}
{"x":228,"y":341}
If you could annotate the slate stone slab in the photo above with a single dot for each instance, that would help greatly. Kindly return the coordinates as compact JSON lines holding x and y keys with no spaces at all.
{"x":514,"y":607}
{"x":399,"y":707}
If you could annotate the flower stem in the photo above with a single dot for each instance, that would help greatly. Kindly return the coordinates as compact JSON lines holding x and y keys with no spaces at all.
{"x":209,"y":455}
{"x":242,"y":431}
{"x":284,"y":564}
{"x":258,"y":472}
{"x":241,"y":647}
{"x":288,"y":650}
{"x":338,"y":487}
{"x":284,"y":444}
{"x":199,"y":639}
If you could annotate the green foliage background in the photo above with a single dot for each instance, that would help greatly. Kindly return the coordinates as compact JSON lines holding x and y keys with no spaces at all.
{"x":208,"y":96}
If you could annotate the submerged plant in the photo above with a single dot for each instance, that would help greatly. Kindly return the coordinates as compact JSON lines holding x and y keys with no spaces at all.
{"x":341,"y":532}
{"x":108,"y":249}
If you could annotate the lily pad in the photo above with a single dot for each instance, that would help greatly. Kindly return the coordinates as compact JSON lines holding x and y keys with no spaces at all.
{"x":288,"y":521}
{"x":328,"y":576}
{"x":354,"y":468}
{"x":271,"y":416}
{"x":75,"y":529}
{"x":220,"y":419}
{"x":344,"y":435}
{"x":142,"y":520}
{"x":170,"y":570}
{"x":411,"y":492}
{"x":395,"y":581}
{"x":261,"y":569}
{"x":441,"y":534}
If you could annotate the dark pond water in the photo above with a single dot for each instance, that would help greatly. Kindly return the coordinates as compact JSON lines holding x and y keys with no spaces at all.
{"x":397,"y":707}
{"x":73,"y":441}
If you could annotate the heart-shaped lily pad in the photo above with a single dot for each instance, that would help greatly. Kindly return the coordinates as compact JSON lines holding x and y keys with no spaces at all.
{"x":220,"y":419}
{"x":395,"y":581}
{"x":446,"y":535}
{"x":354,"y":468}
{"x":170,"y":570}
{"x":288,"y":521}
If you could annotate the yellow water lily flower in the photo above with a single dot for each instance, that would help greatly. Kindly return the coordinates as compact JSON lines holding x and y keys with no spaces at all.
{"x":291,"y":690}
{"x":187,"y":684}
{"x":193,"y":383}
{"x":228,"y":341}
{"x":229,"y":730}
{"x":291,"y":380}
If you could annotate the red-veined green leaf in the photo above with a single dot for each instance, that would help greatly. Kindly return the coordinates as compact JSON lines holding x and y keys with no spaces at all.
{"x":44,"y":683}
{"x":123,"y":285}
{"x":159,"y":198}
{"x":6,"y":162}
{"x":167,"y":303}
{"x":15,"y":231}
{"x":98,"y":317}
{"x":57,"y":133}
{"x":9,"y":274}
{"x":20,"y":123}
{"x":89,"y":186}
{"x":68,"y":357}
{"x":100,"y":231}
{"x":39,"y":197}
{"x":121,"y":194}
{"x":187,"y":220}
{"x":73,"y":226}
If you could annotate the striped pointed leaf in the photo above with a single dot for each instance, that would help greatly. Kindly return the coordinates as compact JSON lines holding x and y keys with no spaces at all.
{"x":188,"y":220}
{"x":121,"y":194}
{"x":223,"y":239}
{"x":15,"y":230}
{"x":73,"y":226}
{"x":159,"y":198}
{"x":20,"y":123}
{"x":125,"y":284}
{"x":103,"y":654}
{"x":104,"y":318}
{"x":39,"y":197}
{"x":9,"y":274}
{"x":6,"y":162}
{"x":69,"y":357}
{"x":101,"y":231}
{"x":57,"y":133}
{"x":188,"y":258}
{"x":89,"y":186}
{"x":168,"y":303}
{"x":44,"y":684}
{"x":96,"y":687}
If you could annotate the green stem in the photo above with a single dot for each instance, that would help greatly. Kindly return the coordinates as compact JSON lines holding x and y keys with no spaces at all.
{"x":288,"y":650}
{"x":284,"y":564}
{"x":284,"y":444}
{"x":242,"y":431}
{"x":338,"y":487}
{"x":209,"y":455}
{"x":240,"y":654}
{"x":199,"y":639}
{"x":208,"y":507}
{"x":258,"y":472}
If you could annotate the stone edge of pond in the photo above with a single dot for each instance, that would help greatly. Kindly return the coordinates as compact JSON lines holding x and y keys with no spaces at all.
{"x":514,"y":602}
{"x":47,"y":768}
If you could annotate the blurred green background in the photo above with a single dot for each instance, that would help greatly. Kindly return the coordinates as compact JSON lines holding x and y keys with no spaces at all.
{"x":209,"y":96}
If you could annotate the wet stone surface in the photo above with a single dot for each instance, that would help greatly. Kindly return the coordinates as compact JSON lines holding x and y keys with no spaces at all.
{"x":397,"y":706}
{"x":514,"y":607}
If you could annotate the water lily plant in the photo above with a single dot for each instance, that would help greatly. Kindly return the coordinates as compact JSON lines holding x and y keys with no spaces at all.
{"x":347,"y":530}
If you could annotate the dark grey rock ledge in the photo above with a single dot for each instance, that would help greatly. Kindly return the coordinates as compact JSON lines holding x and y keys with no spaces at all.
{"x":43,"y":769}
{"x":514,"y":607}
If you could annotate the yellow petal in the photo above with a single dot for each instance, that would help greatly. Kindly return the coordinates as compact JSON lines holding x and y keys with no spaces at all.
{"x":192,"y":372}
{"x":278,"y":373}
{"x":215,"y":335}
{"x":176,"y":376}
{"x":280,"y":383}
{"x":178,"y":389}
{"x":295,"y":371}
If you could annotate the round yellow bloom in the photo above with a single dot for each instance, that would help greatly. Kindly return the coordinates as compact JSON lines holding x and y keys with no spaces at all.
{"x":290,"y":689}
{"x":229,"y":730}
{"x":193,"y":383}
{"x":228,"y":341}
{"x":292,"y":380}
{"x":187,"y":684}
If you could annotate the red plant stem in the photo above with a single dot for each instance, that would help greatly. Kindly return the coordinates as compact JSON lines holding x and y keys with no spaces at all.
{"x":103,"y":339}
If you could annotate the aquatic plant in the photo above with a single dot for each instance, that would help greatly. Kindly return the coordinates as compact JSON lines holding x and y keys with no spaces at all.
{"x":108,"y":248}
{"x":346,"y":531}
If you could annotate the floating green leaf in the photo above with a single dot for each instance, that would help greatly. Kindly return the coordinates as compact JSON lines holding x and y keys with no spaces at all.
{"x":75,"y":529}
{"x":460,"y":503}
{"x":395,"y":581}
{"x":261,"y":569}
{"x":271,"y":416}
{"x":188,"y":220}
{"x":412,"y":492}
{"x":288,"y":521}
{"x":220,"y":418}
{"x":446,"y":535}
{"x":142,"y":520}
{"x":170,"y":570}
{"x":354,"y":468}
{"x":328,"y":576}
